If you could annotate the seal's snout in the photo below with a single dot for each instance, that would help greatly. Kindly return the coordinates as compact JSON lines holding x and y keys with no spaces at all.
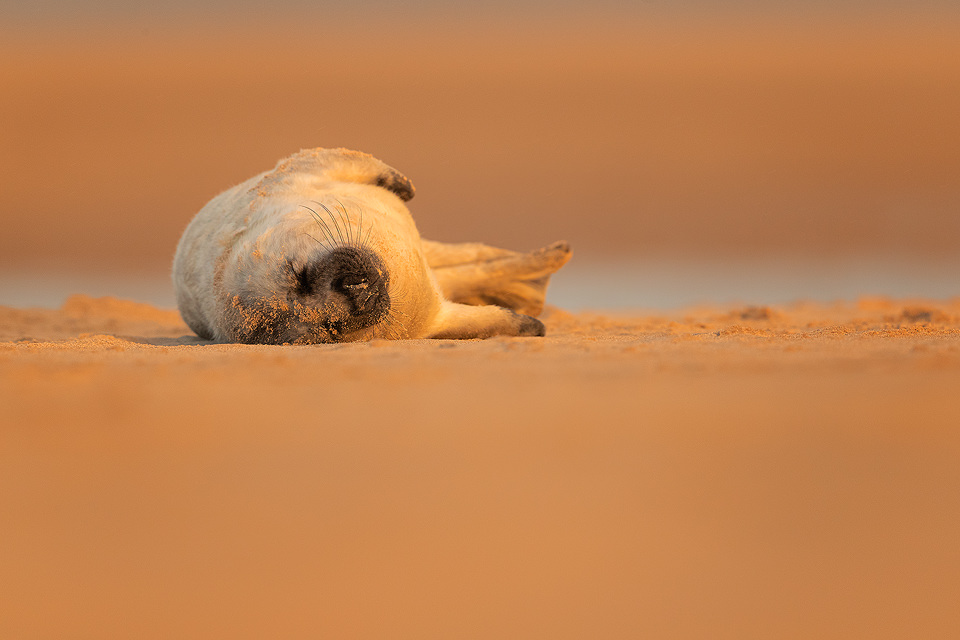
{"x":350,"y":285}
{"x":364,"y":284}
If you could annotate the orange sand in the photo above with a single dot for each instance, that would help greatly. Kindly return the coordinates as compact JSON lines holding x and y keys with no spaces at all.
{"x":727,"y":473}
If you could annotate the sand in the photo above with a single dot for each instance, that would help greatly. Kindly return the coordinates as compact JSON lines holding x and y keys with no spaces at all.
{"x":786,"y":472}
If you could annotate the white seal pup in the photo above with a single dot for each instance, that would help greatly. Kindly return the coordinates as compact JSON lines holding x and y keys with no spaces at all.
{"x":323,"y":249}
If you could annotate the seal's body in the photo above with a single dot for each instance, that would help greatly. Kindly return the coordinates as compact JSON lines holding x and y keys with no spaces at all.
{"x":323,"y":249}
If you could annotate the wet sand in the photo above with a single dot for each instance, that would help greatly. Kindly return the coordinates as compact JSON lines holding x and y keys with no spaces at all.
{"x":785,"y":472}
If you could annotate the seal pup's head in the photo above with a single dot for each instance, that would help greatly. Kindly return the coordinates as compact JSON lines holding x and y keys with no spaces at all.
{"x":321,"y":249}
{"x":337,"y":292}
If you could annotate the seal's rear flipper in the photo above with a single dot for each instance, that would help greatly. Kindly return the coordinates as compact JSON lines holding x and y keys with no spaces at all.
{"x":476,"y":274}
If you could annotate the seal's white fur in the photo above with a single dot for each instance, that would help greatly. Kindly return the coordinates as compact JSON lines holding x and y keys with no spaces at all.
{"x":243,"y":244}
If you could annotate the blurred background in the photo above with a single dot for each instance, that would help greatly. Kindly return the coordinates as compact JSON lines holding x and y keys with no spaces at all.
{"x":691,"y":152}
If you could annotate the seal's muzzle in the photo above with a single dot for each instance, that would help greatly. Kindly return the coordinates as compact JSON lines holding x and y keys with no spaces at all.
{"x":350,"y":283}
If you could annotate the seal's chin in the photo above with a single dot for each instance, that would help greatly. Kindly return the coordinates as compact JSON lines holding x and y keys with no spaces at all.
{"x":357,"y":327}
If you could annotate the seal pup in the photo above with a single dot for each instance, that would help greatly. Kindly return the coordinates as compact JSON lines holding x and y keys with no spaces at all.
{"x":322,"y":249}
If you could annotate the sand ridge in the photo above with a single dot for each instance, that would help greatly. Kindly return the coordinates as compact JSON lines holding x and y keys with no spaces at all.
{"x":869,"y":317}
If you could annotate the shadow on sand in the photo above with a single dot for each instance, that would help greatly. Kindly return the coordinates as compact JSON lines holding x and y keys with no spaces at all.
{"x":165,"y":341}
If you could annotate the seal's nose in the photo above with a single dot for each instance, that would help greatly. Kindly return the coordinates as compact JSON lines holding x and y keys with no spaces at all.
{"x":360,"y":278}
{"x":366,"y":290}
{"x":349,"y":283}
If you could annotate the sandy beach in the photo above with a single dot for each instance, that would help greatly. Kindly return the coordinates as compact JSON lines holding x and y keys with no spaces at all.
{"x":779,"y":472}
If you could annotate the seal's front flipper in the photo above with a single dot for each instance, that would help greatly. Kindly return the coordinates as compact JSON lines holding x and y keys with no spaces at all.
{"x":337,"y":165}
{"x":475,"y":274}
{"x":462,"y":322}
